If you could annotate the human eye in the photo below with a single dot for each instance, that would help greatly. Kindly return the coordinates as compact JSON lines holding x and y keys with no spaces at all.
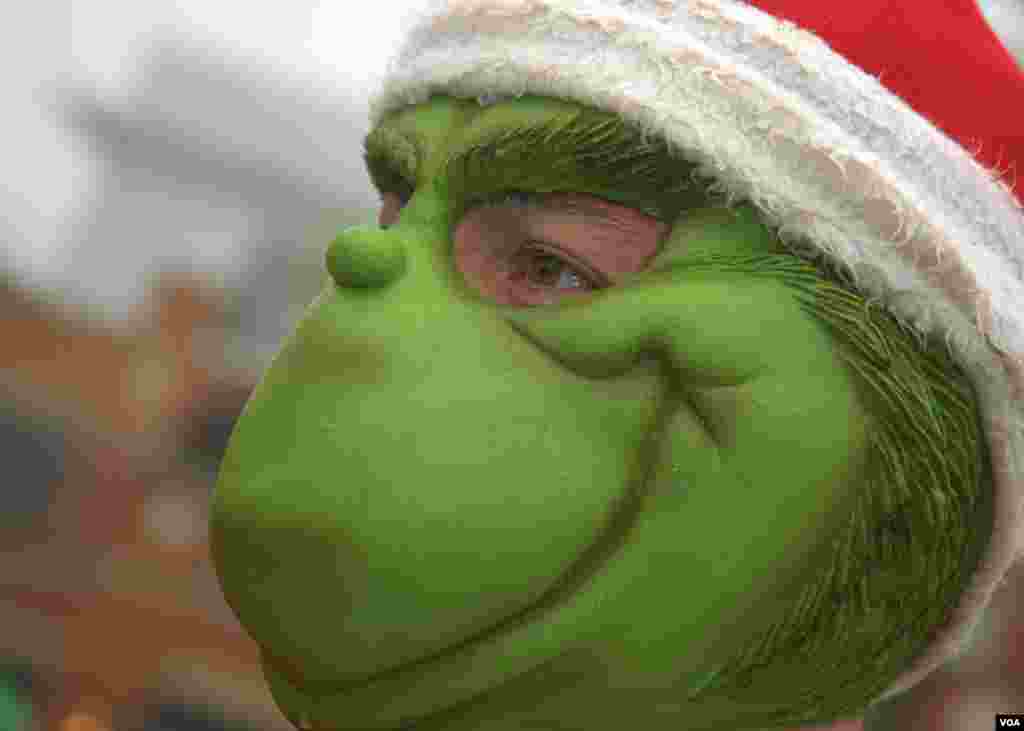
{"x":540,"y":265}
{"x":498,"y":251}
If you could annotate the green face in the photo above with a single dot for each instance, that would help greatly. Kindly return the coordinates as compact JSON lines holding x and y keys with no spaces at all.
{"x":465,"y":498}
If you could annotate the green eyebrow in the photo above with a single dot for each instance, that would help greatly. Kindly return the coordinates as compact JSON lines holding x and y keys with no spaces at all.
{"x":585,"y":153}
{"x":392,"y":160}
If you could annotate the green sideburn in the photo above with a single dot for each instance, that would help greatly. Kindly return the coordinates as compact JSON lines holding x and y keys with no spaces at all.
{"x":557,"y":517}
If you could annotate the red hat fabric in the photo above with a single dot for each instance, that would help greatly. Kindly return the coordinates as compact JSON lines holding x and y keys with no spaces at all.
{"x":941,"y":57}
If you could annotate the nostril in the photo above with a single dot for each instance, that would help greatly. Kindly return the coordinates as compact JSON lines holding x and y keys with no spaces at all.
{"x":366,"y":257}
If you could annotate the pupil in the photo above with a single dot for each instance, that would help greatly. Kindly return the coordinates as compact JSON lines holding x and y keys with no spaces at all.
{"x":548,"y":268}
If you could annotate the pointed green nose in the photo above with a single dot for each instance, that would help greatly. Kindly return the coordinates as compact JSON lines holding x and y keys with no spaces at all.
{"x":366,"y":257}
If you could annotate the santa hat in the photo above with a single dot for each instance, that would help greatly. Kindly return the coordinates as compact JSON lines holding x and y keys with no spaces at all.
{"x":885,"y":134}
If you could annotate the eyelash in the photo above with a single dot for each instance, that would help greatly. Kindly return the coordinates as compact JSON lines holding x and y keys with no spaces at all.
{"x":584,"y":274}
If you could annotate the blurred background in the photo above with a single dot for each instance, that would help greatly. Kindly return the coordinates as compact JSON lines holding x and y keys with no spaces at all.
{"x":173,"y":172}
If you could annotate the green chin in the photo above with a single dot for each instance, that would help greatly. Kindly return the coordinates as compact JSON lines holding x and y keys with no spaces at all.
{"x":473,"y":681}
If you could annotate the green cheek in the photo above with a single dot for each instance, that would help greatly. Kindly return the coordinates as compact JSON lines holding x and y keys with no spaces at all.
{"x":759,"y":456}
{"x":409,"y":473}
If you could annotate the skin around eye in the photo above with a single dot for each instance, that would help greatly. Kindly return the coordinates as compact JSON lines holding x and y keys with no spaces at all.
{"x":534,"y":255}
{"x":518,"y":253}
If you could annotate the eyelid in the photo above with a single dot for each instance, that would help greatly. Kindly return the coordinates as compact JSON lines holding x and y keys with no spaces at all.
{"x":597,"y":278}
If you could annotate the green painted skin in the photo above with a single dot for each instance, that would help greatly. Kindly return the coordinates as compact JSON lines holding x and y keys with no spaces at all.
{"x":558,"y":517}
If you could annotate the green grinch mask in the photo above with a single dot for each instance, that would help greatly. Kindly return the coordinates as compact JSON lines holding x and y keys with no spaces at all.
{"x":555,"y":445}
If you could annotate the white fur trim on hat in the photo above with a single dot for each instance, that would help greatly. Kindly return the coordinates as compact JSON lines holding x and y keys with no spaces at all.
{"x":827,"y":154}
